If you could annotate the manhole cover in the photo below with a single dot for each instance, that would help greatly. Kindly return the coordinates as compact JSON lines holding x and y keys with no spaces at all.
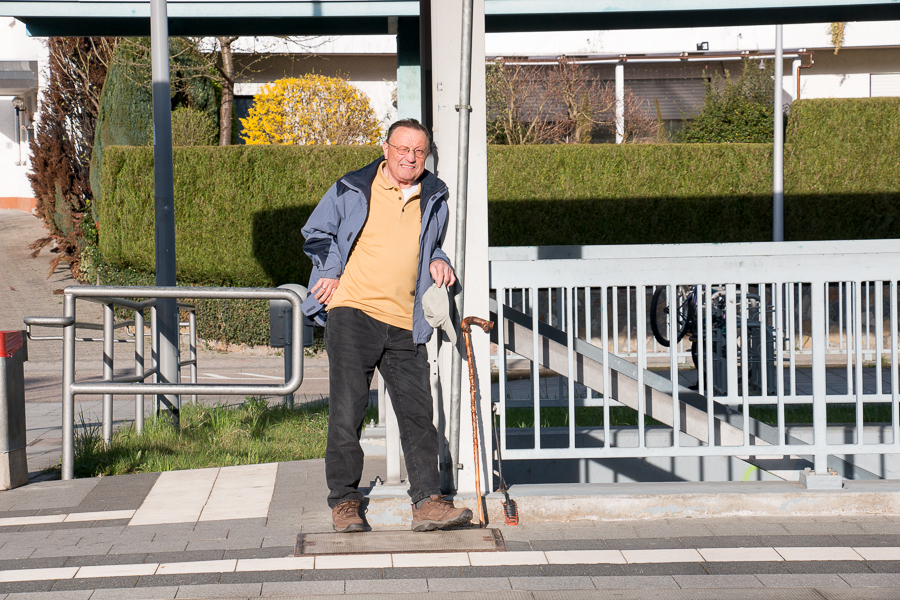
{"x":395,"y":542}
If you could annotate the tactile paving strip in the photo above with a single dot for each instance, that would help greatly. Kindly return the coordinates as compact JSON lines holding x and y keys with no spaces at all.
{"x":395,"y":542}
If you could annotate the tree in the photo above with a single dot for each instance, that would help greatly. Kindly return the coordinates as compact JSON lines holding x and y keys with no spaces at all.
{"x":126,"y":105}
{"x":590,"y":105}
{"x":519,"y":107}
{"x":564,"y":102}
{"x":736,"y":110}
{"x":62,"y":147}
{"x":313,"y":109}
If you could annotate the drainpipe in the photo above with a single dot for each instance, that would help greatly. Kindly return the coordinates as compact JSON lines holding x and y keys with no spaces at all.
{"x":462,"y":183}
{"x":778,"y":150}
{"x":795,"y":71}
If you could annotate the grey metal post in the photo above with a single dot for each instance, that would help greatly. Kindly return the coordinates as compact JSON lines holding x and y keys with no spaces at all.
{"x":164,"y":192}
{"x":620,"y":102}
{"x":192,"y":346}
{"x":462,"y":185}
{"x":108,"y":357}
{"x":778,"y":151}
{"x":139,"y":368}
{"x":288,"y":354}
{"x":68,"y":398}
{"x":154,"y":355}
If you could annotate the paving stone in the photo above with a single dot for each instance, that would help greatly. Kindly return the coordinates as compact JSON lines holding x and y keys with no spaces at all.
{"x":868,"y":540}
{"x":105,"y":559}
{"x":303,"y":588}
{"x":68,"y":595}
{"x":504,"y":571}
{"x":745,"y":568}
{"x":827,"y":566}
{"x":250,"y":590}
{"x":634,"y":582}
{"x":111,"y":523}
{"x":801,"y":581}
{"x":14,"y":552}
{"x":551,"y":545}
{"x":717,"y":581}
{"x":197,"y":555}
{"x":651,"y":528}
{"x":551,"y":583}
{"x":720,"y":541}
{"x":644,"y":544}
{"x":744,"y":526}
{"x":797,"y":541}
{"x":279,"y":541}
{"x":811,"y":526}
{"x":469,"y":585}
{"x":92,"y":550}
{"x":335,"y":574}
{"x":881,"y":566}
{"x":123,"y":492}
{"x":872,"y":579}
{"x":381,"y":586}
{"x":13,"y":587}
{"x":179,"y":580}
{"x":133,"y":547}
{"x":664,"y":569}
{"x":272,"y":552}
{"x":422,"y":572}
{"x":33,"y":563}
{"x":149,"y":593}
{"x":261,"y":576}
{"x":516,"y":546}
{"x":582,"y":570}
{"x":92,"y":583}
{"x":225,"y":544}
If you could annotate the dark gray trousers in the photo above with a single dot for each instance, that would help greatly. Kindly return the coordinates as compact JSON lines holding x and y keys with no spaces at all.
{"x":357,"y":344}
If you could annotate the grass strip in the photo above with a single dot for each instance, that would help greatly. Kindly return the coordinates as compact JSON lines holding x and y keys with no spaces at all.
{"x":250,"y":433}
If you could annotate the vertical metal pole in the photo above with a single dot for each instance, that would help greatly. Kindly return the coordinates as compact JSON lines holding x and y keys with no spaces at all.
{"x":620,"y":102}
{"x":154,"y":355}
{"x":820,"y":405}
{"x":139,"y":368}
{"x":192,"y":345}
{"x":462,"y":184}
{"x":108,"y":350}
{"x":288,"y":353}
{"x":164,"y":192}
{"x":778,"y":152}
{"x":68,"y":399}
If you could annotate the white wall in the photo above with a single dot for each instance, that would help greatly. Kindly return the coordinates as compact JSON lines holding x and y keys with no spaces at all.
{"x":720,"y":39}
{"x":16,"y":45}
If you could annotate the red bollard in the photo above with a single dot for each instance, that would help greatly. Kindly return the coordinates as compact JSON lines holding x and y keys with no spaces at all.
{"x":13,"y":460}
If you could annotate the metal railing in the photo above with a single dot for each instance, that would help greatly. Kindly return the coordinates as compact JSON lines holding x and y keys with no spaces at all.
{"x":108,"y":327}
{"x":111,"y":297}
{"x":773,"y":301}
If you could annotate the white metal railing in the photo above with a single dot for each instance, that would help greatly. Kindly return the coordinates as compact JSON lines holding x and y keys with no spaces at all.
{"x":768,"y":317}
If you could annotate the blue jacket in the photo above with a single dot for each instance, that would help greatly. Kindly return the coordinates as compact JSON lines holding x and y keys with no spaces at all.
{"x":340,"y":215}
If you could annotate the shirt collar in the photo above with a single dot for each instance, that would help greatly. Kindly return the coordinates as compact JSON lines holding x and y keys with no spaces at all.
{"x":382,"y":180}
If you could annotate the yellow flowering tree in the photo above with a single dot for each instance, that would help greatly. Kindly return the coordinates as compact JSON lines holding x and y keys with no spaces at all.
{"x":313,"y":109}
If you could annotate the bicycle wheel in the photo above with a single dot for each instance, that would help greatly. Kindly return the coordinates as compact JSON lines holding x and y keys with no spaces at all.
{"x":660,"y":313}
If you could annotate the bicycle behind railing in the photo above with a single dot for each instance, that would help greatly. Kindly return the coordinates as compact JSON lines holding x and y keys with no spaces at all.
{"x":111,"y":297}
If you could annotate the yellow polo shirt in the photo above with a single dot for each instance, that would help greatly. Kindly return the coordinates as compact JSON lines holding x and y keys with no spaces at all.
{"x":380,"y":276}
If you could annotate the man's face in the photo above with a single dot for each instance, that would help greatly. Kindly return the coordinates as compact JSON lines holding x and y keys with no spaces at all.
{"x":404,"y":169}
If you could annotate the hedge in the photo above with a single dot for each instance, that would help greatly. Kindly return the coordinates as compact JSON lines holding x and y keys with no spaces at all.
{"x":239,"y":209}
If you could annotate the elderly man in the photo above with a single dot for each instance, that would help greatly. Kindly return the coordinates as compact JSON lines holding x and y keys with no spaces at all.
{"x":374,"y":240}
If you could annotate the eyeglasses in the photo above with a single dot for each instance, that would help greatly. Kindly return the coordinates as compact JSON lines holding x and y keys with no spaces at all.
{"x":403,"y":150}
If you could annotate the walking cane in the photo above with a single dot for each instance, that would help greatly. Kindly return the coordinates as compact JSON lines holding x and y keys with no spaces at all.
{"x":470,"y":358}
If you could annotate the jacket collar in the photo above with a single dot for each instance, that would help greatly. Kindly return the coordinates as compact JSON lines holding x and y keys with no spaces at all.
{"x":363,"y":178}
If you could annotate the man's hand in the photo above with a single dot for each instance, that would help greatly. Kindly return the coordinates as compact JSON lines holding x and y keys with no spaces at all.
{"x":442,"y":273}
{"x":324,"y":289}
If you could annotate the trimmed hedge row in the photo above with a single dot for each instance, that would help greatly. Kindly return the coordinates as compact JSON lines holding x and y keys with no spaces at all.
{"x":239,"y":209}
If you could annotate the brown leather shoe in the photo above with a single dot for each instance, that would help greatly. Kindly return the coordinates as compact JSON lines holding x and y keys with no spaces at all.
{"x":346,"y":517}
{"x":437,"y":513}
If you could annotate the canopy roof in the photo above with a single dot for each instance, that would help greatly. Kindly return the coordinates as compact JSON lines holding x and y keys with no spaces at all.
{"x":348,"y":17}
